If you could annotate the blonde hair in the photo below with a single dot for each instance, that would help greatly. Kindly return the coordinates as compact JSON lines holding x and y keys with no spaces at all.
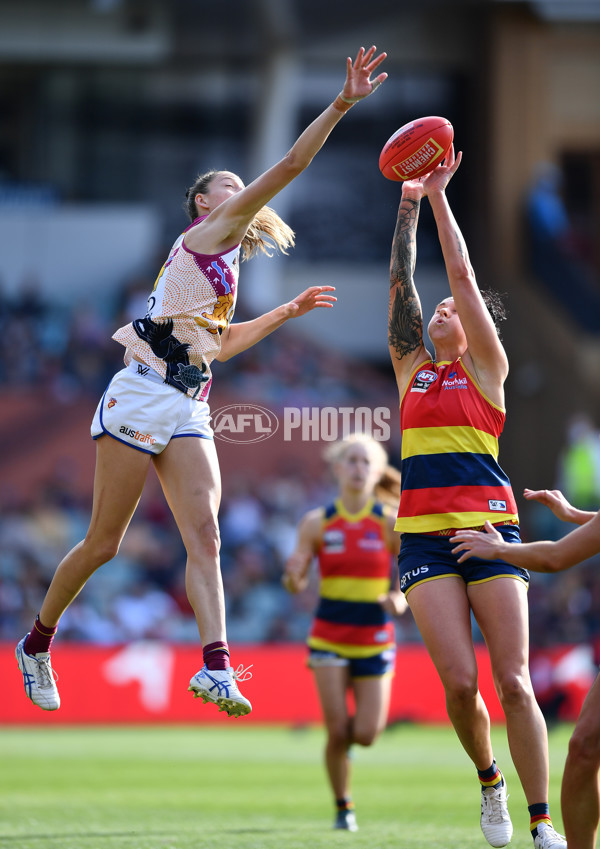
{"x":387,"y":488}
{"x":266,"y":232}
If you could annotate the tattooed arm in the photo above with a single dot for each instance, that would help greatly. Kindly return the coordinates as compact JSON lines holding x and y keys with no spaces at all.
{"x":405,"y":317}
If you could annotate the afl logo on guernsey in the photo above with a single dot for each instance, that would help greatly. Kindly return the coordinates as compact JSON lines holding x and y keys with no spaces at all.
{"x":423,"y":380}
{"x":334,"y":541}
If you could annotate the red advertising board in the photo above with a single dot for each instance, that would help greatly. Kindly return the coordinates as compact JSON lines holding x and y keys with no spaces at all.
{"x":146,"y":682}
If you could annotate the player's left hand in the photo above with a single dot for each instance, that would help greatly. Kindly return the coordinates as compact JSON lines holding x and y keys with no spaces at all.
{"x":310,"y":299}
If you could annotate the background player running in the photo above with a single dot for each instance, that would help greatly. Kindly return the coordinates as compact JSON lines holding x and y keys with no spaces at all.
{"x":352,"y":641}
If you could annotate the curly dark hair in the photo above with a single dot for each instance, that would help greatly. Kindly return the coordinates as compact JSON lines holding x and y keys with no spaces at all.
{"x":494,"y":303}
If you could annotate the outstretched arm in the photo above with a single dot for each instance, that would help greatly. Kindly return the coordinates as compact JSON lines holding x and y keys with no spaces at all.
{"x":405,"y":317}
{"x":239,"y":337}
{"x":227,"y":224}
{"x":544,"y":556}
{"x":485,"y":351}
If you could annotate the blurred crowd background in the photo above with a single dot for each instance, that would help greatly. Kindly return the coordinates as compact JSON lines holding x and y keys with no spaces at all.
{"x":141,"y":594}
{"x":108,"y":110}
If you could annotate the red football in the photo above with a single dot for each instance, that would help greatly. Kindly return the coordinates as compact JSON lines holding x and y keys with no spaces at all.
{"x":416,"y":148}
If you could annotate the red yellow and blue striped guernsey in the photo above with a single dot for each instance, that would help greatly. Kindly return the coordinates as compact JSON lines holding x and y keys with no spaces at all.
{"x":450,"y":472}
{"x":355,"y":566}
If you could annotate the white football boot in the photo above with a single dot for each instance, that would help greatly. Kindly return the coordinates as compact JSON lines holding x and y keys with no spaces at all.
{"x":495,"y":820}
{"x":38,"y":677}
{"x":346,"y":820}
{"x":219,"y":686}
{"x":548,"y":838}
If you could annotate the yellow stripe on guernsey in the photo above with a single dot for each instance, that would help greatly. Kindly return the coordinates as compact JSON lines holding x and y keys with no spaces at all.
{"x":451,"y":477}
{"x":346,"y":650}
{"x":459,"y":439}
{"x":354,"y":569}
{"x":340,"y":511}
{"x":354,"y":589}
{"x":440,"y":521}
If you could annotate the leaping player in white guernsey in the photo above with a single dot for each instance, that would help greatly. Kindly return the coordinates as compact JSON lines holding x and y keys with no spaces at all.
{"x":161,"y":395}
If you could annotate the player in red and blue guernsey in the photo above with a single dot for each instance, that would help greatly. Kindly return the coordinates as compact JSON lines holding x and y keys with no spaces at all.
{"x":451,"y":417}
{"x":351,"y":642}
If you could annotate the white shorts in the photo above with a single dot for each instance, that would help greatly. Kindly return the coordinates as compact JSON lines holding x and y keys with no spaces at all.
{"x":143,"y":411}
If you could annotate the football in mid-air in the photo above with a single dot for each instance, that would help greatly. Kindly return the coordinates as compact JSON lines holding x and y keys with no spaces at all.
{"x":416,"y":148}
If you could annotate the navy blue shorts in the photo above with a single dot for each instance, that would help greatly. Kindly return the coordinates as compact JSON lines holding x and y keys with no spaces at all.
{"x":358,"y":667}
{"x":424,"y":558}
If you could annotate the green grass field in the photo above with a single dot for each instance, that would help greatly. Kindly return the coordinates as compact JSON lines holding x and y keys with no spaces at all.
{"x":247,"y":787}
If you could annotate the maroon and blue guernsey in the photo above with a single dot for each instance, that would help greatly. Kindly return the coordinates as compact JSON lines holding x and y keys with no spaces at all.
{"x":192,"y":302}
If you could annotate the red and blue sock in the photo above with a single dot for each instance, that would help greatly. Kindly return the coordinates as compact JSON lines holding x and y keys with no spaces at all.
{"x":491,"y":777}
{"x":540,"y":812}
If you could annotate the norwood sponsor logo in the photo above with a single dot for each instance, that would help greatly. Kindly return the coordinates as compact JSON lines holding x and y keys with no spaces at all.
{"x":454,"y":382}
{"x":244,"y":423}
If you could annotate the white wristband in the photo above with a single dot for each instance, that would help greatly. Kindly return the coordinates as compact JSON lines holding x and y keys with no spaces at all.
{"x":352,"y":100}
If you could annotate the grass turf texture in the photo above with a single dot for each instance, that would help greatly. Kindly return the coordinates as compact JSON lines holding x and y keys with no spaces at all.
{"x":248,"y":787}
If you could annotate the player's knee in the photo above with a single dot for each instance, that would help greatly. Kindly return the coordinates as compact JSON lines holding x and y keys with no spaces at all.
{"x":206,"y":539}
{"x":101,"y":550}
{"x":338,"y":734}
{"x":461,"y":689}
{"x":514,"y":690}
{"x":365,"y":735}
{"x":584,"y":750}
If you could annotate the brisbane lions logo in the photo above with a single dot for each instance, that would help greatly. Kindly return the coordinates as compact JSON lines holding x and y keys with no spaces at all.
{"x":223,"y":282}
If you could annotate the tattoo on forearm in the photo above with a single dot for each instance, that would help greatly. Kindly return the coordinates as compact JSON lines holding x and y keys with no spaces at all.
{"x":404,"y":243}
{"x":460,"y":243}
{"x":405,"y":327}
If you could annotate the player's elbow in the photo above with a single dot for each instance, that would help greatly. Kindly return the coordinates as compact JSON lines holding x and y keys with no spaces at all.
{"x":294,"y":162}
{"x":461,"y":274}
{"x":226,"y":350}
{"x":553,"y":562}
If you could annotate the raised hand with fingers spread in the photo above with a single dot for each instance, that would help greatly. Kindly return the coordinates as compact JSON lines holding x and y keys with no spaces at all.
{"x":358,"y":84}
